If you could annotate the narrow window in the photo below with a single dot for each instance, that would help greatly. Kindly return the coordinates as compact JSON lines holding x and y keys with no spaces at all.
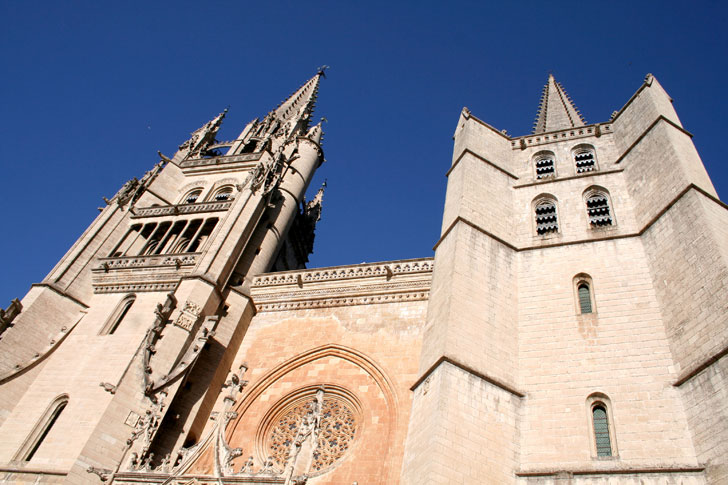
{"x":585,"y":160}
{"x":41,"y":429}
{"x":118,"y":315}
{"x":585,"y":304}
{"x":545,"y":167}
{"x":546,"y":219}
{"x":597,"y":208}
{"x":601,"y":430}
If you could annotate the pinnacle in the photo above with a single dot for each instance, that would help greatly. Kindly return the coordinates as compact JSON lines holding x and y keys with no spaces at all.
{"x":556,"y":110}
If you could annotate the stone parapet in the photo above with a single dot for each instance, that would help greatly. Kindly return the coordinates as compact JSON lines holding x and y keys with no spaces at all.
{"x":385,"y":282}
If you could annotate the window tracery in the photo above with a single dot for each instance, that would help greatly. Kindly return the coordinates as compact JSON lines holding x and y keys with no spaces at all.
{"x":322,"y":426}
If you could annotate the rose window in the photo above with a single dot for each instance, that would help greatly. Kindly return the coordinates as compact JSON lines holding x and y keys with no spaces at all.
{"x":312,"y":432}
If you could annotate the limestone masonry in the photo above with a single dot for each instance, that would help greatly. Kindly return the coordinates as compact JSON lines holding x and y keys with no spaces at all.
{"x":571,"y":328}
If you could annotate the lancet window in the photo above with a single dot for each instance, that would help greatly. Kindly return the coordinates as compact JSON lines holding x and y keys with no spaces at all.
{"x":603,"y":434}
{"x":118,"y":316}
{"x":583,"y":289}
{"x":41,"y":430}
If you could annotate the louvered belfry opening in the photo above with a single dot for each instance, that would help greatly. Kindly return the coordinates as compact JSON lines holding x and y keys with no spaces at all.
{"x":597,"y":206}
{"x":601,"y":431}
{"x":545,"y":167}
{"x":546,"y":219}
{"x":585,"y":161}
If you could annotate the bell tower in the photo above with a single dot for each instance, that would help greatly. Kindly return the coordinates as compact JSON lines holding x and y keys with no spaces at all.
{"x":134,"y":329}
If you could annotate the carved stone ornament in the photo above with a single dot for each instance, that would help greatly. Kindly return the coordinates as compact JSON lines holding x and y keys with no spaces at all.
{"x":188,"y":316}
{"x":143,"y":433}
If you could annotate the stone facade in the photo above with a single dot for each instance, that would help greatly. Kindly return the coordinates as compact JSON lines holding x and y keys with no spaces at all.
{"x":571,"y":328}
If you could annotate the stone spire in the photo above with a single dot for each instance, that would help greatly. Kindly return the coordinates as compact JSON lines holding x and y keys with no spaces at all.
{"x":299,"y":105}
{"x":556,"y":110}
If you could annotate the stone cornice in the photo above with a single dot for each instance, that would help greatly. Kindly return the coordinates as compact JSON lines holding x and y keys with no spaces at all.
{"x":362,"y":284}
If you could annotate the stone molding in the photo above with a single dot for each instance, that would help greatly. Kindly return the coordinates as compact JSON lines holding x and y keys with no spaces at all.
{"x":179,"y":209}
{"x":386,"y":282}
{"x":612,"y":471}
{"x":136,"y":287}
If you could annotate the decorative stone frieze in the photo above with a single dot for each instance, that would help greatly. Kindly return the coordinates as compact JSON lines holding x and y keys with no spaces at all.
{"x":142,"y":273}
{"x":387,"y":282}
{"x":364,"y":270}
{"x":173,"y":210}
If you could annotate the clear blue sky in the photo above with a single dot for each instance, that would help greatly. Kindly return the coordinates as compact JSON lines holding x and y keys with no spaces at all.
{"x":91,"y":90}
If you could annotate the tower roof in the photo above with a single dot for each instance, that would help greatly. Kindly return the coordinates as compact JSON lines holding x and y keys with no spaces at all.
{"x":556,"y":110}
{"x":302,"y":101}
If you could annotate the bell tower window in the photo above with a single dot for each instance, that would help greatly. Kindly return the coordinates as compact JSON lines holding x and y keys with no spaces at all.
{"x":598,"y":209}
{"x":546,"y":217}
{"x":585,"y":159}
{"x":544,"y":165}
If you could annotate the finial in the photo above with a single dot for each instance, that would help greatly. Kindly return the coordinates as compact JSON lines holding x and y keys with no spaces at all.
{"x":322,"y":70}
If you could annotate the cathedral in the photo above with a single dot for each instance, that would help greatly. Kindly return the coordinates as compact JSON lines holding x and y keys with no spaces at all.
{"x":571,"y":328}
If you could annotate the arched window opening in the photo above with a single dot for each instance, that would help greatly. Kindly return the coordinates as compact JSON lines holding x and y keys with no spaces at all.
{"x":545,"y":167}
{"x":126,"y":241}
{"x":42,"y":428}
{"x":585,"y":304}
{"x":225,"y":193}
{"x":598,"y":210}
{"x":546,"y":218}
{"x":192,"y":196}
{"x":585,"y":160}
{"x":601,"y":430}
{"x":203,"y":235}
{"x":118,"y":315}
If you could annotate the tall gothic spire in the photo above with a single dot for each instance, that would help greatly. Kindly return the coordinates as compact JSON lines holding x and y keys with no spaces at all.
{"x":556,"y":110}
{"x":300,"y":104}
